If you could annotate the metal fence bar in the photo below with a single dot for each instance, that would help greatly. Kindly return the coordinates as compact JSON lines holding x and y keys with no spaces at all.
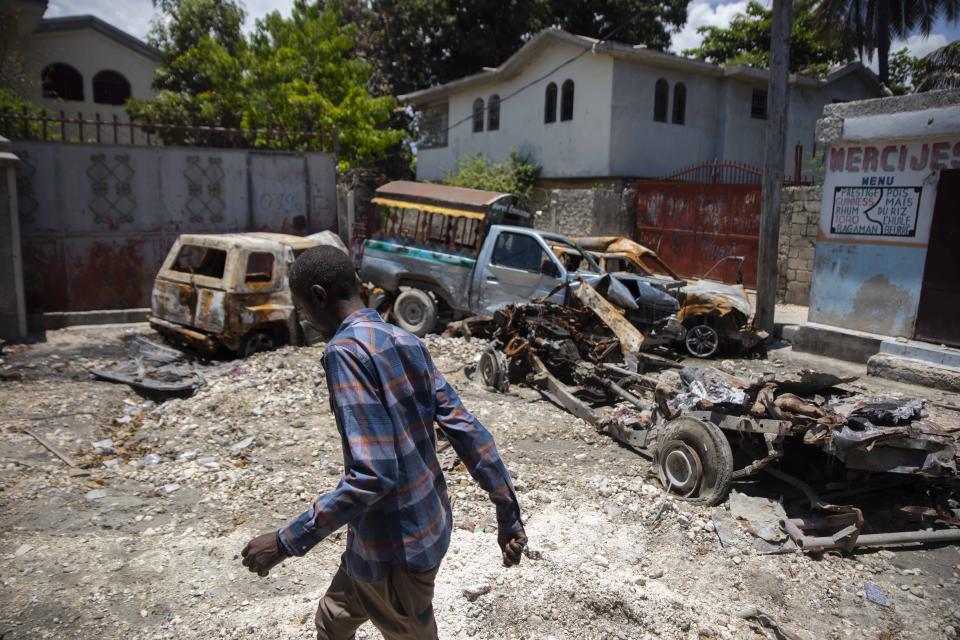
{"x":20,"y":124}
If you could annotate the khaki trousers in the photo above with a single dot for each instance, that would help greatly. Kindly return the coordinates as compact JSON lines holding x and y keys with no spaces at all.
{"x":400,"y":606}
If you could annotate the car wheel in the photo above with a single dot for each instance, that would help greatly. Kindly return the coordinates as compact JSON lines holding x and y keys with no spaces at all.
{"x":694,"y":461}
{"x":257,"y":342}
{"x":702,"y":340}
{"x":415,"y":311}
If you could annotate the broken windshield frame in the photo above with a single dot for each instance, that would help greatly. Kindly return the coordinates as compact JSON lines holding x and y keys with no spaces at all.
{"x":584,"y":255}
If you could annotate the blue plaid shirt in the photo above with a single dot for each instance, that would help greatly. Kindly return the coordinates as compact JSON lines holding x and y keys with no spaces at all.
{"x":386,"y":395}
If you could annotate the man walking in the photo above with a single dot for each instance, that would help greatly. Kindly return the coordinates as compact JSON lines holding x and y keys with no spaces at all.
{"x":386,"y":395}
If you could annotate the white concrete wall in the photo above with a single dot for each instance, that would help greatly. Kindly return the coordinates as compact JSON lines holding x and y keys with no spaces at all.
{"x":89,"y":52}
{"x":806,"y":107}
{"x":576,"y":148}
{"x":642,"y":147}
{"x":742,"y":137}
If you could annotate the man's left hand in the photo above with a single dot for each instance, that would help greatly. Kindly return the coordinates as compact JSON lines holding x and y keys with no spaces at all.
{"x":263,"y":553}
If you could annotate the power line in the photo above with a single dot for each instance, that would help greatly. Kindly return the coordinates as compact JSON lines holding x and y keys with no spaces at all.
{"x":551,"y":72}
{"x":546,"y":75}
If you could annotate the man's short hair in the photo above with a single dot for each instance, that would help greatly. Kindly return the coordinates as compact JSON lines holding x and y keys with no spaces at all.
{"x":328,"y":267}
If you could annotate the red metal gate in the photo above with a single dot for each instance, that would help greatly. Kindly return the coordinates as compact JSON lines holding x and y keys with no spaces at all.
{"x":692,"y":225}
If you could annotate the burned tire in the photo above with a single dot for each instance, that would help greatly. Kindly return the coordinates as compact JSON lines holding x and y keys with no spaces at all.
{"x":694,"y":461}
{"x":702,"y":340}
{"x":257,"y":342}
{"x":416,"y":311}
{"x":494,"y":370}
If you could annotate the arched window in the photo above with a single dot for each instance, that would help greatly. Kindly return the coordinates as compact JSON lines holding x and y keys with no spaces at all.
{"x":566,"y":100}
{"x":679,"y":103}
{"x":109,"y":87}
{"x":62,"y":81}
{"x":493,"y":113}
{"x":478,"y":115}
{"x":550,"y":103}
{"x":661,"y":96}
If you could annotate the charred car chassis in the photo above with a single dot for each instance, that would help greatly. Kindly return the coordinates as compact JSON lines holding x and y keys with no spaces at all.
{"x":705,"y":428}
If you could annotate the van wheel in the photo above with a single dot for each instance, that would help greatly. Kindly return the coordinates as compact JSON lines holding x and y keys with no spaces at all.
{"x":694,"y":461}
{"x":415,"y":311}
{"x":257,"y":342}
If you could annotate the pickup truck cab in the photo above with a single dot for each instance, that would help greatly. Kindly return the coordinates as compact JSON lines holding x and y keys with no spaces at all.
{"x":453,"y":261}
{"x":229,"y":292}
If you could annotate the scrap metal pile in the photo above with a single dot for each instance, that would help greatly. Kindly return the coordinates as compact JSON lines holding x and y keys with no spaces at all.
{"x":706,"y":428}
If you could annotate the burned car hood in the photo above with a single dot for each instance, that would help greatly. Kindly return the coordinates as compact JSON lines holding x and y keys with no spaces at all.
{"x":724,"y":297}
{"x":645,"y":293}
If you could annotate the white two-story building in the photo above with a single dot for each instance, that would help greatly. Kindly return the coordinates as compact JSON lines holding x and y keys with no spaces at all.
{"x":80,"y":65}
{"x":582,"y":108}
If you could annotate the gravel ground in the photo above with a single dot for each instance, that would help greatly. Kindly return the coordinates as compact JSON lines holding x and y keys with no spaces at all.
{"x":142,"y":539}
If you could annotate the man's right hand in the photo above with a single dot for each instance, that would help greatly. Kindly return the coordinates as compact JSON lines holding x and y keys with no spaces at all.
{"x":512,"y":544}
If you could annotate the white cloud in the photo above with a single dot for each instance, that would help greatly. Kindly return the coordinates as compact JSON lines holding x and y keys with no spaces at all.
{"x":701,"y":14}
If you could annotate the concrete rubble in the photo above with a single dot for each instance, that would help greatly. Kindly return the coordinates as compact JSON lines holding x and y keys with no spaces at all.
{"x":141,"y":539}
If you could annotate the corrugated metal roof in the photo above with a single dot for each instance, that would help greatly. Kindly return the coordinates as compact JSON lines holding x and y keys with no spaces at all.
{"x":439,"y":194}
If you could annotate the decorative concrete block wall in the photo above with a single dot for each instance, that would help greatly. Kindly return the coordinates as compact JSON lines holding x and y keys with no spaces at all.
{"x":799,"y":219}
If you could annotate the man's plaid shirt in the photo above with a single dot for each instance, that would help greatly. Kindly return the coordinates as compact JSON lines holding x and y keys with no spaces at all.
{"x":386,"y":395}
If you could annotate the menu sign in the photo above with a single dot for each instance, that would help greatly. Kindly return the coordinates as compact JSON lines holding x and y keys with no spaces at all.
{"x":875,"y":211}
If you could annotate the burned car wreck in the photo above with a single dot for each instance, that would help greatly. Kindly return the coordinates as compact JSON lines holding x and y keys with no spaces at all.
{"x":716,"y":316}
{"x":229,"y":292}
{"x":706,"y":428}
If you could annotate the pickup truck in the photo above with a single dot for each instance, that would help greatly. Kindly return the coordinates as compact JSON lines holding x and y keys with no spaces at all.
{"x":513,"y":264}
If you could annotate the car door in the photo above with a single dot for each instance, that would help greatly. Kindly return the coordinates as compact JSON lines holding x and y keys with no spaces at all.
{"x":520,"y":269}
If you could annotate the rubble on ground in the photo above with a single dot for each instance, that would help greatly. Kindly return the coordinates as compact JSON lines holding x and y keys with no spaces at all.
{"x":141,"y":539}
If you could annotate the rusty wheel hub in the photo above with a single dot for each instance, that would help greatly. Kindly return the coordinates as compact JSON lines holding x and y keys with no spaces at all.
{"x":682,"y":468}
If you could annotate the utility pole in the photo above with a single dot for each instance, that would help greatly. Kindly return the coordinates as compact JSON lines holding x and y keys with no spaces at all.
{"x":777,"y":104}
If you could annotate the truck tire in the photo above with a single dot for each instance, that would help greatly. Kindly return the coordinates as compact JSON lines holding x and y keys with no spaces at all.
{"x":416,"y":311}
{"x":256,"y":342}
{"x":694,"y":461}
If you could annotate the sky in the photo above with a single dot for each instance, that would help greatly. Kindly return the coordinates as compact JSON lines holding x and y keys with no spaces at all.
{"x":133,"y":16}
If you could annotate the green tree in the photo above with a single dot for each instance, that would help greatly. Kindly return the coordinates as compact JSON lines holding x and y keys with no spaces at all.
{"x":186,"y":29}
{"x":747,"y":41}
{"x":517,"y":175}
{"x":939,"y":70}
{"x":870,"y":25}
{"x":298,"y":73}
{"x":903,"y":69}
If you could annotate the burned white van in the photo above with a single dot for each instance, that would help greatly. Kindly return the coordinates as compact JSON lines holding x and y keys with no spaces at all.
{"x":229,"y":292}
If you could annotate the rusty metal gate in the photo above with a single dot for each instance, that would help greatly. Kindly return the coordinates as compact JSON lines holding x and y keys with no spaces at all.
{"x":699,"y":215}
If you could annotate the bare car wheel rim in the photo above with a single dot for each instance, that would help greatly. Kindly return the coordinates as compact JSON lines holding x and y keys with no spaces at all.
{"x":702,"y":341}
{"x":683,"y":469}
